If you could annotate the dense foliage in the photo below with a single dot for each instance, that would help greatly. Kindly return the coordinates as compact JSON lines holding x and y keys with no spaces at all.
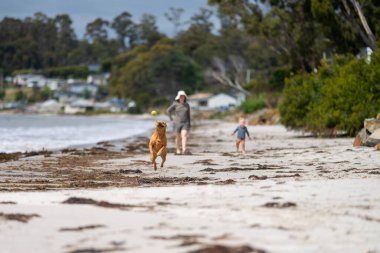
{"x":151,"y":75}
{"x":257,"y":47}
{"x":337,"y":97}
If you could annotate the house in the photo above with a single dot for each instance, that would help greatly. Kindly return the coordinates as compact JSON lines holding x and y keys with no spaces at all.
{"x":83,"y":89}
{"x":79,"y":106}
{"x":98,"y":79}
{"x":114,"y":105}
{"x":94,"y":67}
{"x":30,"y":80}
{"x":208,"y":101}
{"x":240,"y":97}
{"x":54,"y":83}
{"x":49,"y":106}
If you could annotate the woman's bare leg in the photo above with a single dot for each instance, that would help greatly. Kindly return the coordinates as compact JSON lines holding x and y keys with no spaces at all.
{"x":184,"y":134}
{"x":178,"y":142}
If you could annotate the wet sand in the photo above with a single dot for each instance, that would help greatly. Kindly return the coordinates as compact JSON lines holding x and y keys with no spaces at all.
{"x":293,"y":193}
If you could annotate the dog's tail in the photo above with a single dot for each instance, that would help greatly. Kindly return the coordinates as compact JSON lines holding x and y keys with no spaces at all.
{"x":160,"y":151}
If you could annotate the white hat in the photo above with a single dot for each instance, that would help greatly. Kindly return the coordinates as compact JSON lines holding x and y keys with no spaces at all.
{"x":180,"y":93}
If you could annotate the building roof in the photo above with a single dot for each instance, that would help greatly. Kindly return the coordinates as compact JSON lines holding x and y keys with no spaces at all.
{"x":199,"y":96}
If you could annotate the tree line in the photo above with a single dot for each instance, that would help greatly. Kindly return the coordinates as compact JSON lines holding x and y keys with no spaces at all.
{"x":258,"y":45}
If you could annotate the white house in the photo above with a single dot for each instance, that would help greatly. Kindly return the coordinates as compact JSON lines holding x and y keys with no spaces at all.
{"x":98,"y":79}
{"x":54,"y":83}
{"x":208,"y":101}
{"x":79,"y":106}
{"x":30,"y":80}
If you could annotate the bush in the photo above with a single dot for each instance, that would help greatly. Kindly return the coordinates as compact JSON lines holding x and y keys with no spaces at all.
{"x":2,"y":94}
{"x":253,"y":104}
{"x":337,"y":97}
{"x":20,"y":96}
{"x":160,"y":101}
{"x":67,"y":71}
{"x":277,"y":79}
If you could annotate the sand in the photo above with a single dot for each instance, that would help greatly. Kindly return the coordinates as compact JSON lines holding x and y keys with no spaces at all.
{"x":293,"y":193}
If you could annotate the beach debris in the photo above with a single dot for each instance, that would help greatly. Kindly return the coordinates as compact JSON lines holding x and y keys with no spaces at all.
{"x":23,"y":218}
{"x":98,"y":250}
{"x":187,"y":240}
{"x":292,"y":175}
{"x":105,"y":144}
{"x":81,"y":228}
{"x":138,"y":145}
{"x":7,"y":203}
{"x":137,"y":171}
{"x":257,"y":177}
{"x":205,"y":162}
{"x":280,"y":205}
{"x":105,"y":204}
{"x":228,"y":181}
{"x":67,"y":150}
{"x":229,"y":169}
{"x":370,"y":135}
{"x":6,"y":157}
{"x":227,"y":249}
{"x":44,"y":152}
{"x":171,"y":180}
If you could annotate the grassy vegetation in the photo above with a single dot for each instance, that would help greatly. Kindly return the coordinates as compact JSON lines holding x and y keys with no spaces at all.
{"x":15,"y":94}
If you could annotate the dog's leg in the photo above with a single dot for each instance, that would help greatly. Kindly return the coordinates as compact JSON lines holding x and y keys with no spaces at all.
{"x":154,"y":161}
{"x":153,"y":155}
{"x":163,"y":155}
{"x":159,"y":152}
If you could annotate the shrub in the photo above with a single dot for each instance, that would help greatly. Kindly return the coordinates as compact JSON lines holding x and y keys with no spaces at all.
{"x":337,"y":97}
{"x":253,"y":104}
{"x":68,"y":71}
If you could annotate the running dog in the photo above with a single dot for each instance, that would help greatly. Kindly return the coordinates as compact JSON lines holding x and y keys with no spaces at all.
{"x":157,"y":144}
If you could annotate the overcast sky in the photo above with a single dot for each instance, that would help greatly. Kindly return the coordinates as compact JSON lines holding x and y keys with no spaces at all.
{"x":85,"y":11}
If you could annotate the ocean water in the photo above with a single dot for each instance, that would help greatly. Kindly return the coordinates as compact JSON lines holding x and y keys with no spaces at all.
{"x":35,"y":132}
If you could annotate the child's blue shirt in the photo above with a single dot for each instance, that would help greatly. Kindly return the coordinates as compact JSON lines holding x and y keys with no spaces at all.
{"x":241,"y":131}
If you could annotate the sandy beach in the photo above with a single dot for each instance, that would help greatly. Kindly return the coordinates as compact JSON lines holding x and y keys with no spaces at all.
{"x":292,"y":193}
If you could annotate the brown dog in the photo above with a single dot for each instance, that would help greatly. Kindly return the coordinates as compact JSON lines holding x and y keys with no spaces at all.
{"x":157,"y":144}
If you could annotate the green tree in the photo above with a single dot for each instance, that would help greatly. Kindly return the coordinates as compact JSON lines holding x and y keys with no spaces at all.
{"x":158,"y":72}
{"x":174,"y":16}
{"x":66,"y":39}
{"x":125,"y":28}
{"x":96,"y":30}
{"x":148,"y":31}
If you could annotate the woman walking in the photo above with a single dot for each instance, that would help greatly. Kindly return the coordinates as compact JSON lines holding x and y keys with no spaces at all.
{"x":182,"y":124}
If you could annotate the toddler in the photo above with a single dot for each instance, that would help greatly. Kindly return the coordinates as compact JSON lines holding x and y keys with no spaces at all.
{"x":241,"y":132}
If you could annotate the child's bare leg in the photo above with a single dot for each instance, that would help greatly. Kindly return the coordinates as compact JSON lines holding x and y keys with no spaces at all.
{"x":237,"y":145}
{"x":243,"y":148}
